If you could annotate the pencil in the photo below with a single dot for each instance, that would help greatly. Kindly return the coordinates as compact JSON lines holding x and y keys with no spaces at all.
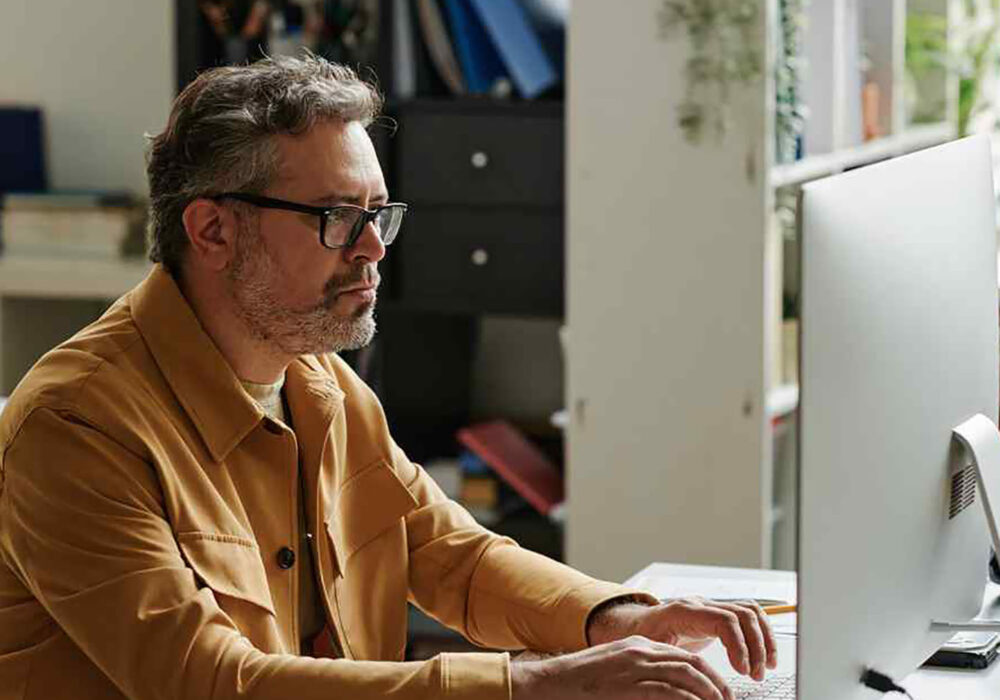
{"x":779,"y":609}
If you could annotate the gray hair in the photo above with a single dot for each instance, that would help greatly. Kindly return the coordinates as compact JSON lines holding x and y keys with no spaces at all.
{"x":219,"y":135}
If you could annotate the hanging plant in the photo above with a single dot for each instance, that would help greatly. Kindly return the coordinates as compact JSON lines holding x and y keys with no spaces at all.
{"x":724,"y":54}
{"x":790,"y":112}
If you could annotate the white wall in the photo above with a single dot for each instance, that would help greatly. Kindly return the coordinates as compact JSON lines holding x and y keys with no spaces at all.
{"x":103,"y":70}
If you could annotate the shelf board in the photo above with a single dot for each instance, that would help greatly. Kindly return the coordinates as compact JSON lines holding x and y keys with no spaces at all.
{"x":782,"y":401}
{"x":814,"y":167}
{"x":69,"y":278}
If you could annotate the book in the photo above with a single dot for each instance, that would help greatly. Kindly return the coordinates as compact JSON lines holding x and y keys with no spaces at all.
{"x":481,"y":64}
{"x":435,"y":34}
{"x":518,"y":462}
{"x":548,"y":17}
{"x":404,"y":55}
{"x":88,"y":232}
{"x":479,"y":492}
{"x":22,"y":149}
{"x":518,"y":44}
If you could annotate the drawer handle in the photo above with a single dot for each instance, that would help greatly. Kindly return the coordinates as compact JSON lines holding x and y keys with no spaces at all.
{"x":480,"y":160}
{"x":480,"y":257}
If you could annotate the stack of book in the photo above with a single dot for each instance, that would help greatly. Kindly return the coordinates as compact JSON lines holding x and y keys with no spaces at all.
{"x":469,"y":480}
{"x":519,"y":463}
{"x":477,"y":46}
{"x":479,"y":491}
{"x":79,"y":225}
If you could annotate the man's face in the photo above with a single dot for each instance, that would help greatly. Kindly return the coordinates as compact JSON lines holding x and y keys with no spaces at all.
{"x":288,"y":289}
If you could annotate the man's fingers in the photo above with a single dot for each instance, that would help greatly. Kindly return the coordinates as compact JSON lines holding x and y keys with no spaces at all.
{"x":685,"y":676}
{"x":684,"y":670}
{"x":655,"y":690}
{"x":765,"y":627}
{"x":725,"y":625}
{"x":753,"y":635}
{"x":706,"y":669}
{"x":767,"y":632}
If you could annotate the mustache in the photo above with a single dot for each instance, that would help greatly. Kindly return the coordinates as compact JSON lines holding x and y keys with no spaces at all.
{"x":365,"y":275}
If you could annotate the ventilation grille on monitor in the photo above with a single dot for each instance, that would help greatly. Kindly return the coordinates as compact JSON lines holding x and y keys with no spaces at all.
{"x":963,"y":490}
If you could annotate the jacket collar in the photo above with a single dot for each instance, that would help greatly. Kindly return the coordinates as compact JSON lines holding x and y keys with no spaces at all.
{"x":198,"y":374}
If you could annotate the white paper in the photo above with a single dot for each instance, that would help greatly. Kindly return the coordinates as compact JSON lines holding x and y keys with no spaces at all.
{"x":770,"y":587}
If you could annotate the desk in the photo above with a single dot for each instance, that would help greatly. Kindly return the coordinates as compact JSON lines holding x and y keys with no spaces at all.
{"x":665,"y":580}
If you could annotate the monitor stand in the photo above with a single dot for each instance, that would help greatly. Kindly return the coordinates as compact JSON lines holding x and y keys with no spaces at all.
{"x":981,"y":439}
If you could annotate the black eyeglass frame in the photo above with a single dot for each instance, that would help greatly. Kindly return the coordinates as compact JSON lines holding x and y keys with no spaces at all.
{"x":367,"y":215}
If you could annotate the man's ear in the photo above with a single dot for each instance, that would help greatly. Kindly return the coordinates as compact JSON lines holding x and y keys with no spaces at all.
{"x":211,"y":231}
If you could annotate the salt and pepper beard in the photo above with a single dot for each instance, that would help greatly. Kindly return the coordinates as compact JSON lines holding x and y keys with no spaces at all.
{"x":254,"y":279}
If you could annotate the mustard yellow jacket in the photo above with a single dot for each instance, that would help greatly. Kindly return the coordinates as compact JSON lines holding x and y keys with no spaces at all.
{"x":144,"y":499}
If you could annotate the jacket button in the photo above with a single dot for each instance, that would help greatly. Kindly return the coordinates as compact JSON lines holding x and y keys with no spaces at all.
{"x":286,"y":558}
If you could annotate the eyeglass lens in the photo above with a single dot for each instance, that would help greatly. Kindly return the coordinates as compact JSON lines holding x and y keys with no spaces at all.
{"x":341,"y":223}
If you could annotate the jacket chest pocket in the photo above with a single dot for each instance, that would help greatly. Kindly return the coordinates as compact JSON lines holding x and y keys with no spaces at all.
{"x":232,"y":568}
{"x":368,"y":534}
{"x":368,"y":505}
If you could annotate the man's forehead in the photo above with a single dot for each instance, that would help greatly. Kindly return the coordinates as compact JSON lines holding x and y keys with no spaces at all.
{"x":332,"y":162}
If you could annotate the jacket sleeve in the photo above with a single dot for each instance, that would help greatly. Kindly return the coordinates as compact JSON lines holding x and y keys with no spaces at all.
{"x":83,"y":525}
{"x":485,"y":586}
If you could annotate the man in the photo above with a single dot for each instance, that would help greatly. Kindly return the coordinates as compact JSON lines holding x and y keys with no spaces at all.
{"x":200,"y":499}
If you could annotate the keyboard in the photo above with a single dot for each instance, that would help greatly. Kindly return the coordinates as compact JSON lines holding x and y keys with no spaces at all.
{"x":777,"y":686}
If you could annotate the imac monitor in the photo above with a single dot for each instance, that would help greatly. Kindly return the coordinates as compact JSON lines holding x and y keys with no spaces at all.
{"x":899,"y":346}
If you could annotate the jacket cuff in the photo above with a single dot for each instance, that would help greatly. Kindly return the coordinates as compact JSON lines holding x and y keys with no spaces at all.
{"x":476,"y":676}
{"x":582,"y":601}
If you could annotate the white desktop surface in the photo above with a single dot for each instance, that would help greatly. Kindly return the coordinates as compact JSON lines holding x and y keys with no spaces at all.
{"x":669,"y":580}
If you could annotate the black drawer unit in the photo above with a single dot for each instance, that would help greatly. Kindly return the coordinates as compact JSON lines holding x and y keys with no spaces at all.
{"x":485,"y":186}
{"x":483,"y":260}
{"x":484,"y":235}
{"x":478,"y":159}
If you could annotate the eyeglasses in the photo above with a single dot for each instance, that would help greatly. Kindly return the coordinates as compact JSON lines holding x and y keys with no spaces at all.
{"x":339,"y":226}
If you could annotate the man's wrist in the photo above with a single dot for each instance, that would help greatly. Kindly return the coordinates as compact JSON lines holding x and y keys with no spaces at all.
{"x":614,"y":619}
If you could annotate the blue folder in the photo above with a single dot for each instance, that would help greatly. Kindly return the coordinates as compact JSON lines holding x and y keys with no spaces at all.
{"x":520,"y":48}
{"x":481,"y":64}
{"x":22,"y":160}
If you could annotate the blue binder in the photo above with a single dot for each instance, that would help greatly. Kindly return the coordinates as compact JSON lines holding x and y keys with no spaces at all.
{"x":520,"y":48}
{"x":22,"y":159}
{"x":481,"y":64}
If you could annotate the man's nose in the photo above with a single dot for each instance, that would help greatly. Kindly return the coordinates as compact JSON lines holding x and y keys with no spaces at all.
{"x":369,"y":245}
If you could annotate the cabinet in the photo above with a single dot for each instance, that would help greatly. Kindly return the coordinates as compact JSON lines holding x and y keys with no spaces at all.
{"x":483,"y":238}
{"x":485,"y":185}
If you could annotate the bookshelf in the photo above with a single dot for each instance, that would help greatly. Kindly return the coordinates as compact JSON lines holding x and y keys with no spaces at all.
{"x":66,"y":278}
{"x":825,"y":164}
{"x":673,"y":360}
{"x":45,"y":300}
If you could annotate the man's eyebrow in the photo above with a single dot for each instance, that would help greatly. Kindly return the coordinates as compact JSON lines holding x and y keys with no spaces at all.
{"x":331,"y":200}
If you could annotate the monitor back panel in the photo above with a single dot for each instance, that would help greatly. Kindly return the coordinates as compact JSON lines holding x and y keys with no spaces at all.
{"x":898,"y":346}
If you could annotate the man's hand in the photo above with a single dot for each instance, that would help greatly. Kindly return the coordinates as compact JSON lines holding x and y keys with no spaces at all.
{"x":634,"y":668}
{"x":691,"y":624}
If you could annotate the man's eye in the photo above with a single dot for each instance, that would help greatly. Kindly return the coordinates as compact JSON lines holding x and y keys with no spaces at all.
{"x":338,"y":216}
